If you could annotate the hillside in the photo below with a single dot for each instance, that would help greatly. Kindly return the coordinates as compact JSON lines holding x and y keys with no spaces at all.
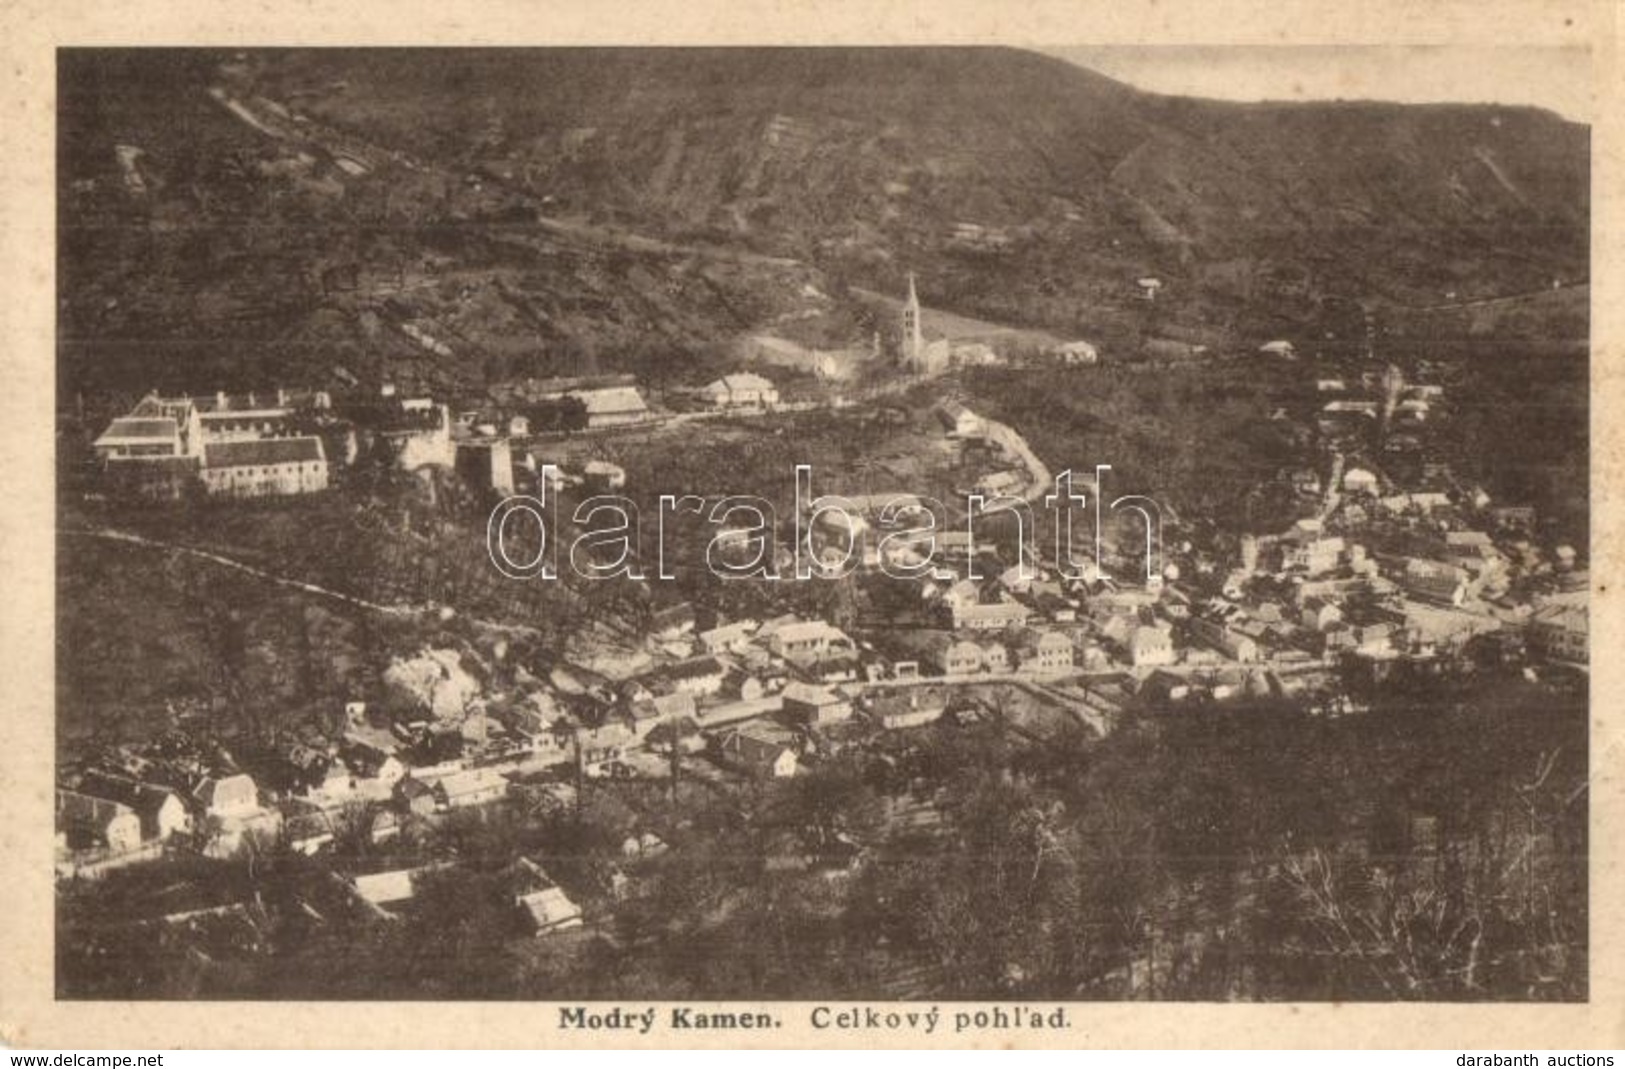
{"x":581,"y":209}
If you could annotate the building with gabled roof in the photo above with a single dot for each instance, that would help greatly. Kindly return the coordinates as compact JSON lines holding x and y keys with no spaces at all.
{"x":905,"y":707}
{"x":699,"y":676}
{"x":387,"y":888}
{"x":161,"y":811}
{"x":646,"y":714}
{"x":813,"y":705}
{"x":759,"y":750}
{"x":265,"y":467}
{"x":126,"y":436}
{"x":612,"y":406}
{"x":1043,"y":651}
{"x":86,"y":821}
{"x":474,"y":786}
{"x":227,"y":795}
{"x":959,"y":420}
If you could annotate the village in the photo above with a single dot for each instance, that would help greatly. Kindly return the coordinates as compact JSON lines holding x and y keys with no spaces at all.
{"x":1389,"y":568}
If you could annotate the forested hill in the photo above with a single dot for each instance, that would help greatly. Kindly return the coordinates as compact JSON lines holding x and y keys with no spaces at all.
{"x":1018,"y":186}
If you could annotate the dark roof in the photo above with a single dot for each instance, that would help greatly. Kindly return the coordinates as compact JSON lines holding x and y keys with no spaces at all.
{"x":695,"y":668}
{"x":141,"y":428}
{"x":154,"y":463}
{"x":141,"y":797}
{"x":264,"y":451}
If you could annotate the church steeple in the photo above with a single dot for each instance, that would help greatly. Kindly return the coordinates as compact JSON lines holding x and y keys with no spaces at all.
{"x":913,"y":338}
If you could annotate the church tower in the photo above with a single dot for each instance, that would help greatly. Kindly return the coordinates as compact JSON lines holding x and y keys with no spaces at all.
{"x":913,"y":338}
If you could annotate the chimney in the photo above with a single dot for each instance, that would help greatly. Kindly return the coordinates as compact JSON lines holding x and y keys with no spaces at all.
{"x":221,"y":401}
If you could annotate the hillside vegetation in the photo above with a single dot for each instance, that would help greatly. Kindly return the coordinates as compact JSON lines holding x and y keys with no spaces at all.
{"x":570,"y":210}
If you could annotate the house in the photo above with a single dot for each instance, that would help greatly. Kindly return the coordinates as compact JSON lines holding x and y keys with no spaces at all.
{"x":645,"y":715}
{"x":699,"y":676}
{"x":1076,"y":352}
{"x":838,"y":666}
{"x":809,"y":636}
{"x":743,"y":687}
{"x":415,"y":796}
{"x":88,"y":822}
{"x":672,"y":622}
{"x":1164,"y":686}
{"x":598,"y":746}
{"x":960,"y":421}
{"x":474,"y":786}
{"x":995,"y":656}
{"x":1018,"y":579}
{"x":265,"y":467}
{"x":382,"y":824}
{"x":151,"y":478}
{"x":1513,"y":517}
{"x":1313,"y":555}
{"x":684,"y":733}
{"x":308,"y":831}
{"x":1043,"y":651}
{"x":227,"y":796}
{"x":815,"y":706}
{"x":161,"y":811}
{"x":905,"y":708}
{"x":1446,"y":588}
{"x":549,"y":910}
{"x":1359,"y":481}
{"x":1149,"y":646}
{"x":136,"y":437}
{"x":1469,"y":544}
{"x":386,"y":888}
{"x":955,"y":657}
{"x":632,"y":691}
{"x":370,"y":763}
{"x":643,"y":846}
{"x":990,"y":616}
{"x":1320,"y":613}
{"x":728,"y":638}
{"x":758,"y":750}
{"x":1221,"y":636}
{"x":999,"y":484}
{"x":1277,"y":348}
{"x":612,"y":406}
{"x":742,"y":390}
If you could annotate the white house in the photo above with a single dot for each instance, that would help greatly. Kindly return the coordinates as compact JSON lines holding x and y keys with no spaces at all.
{"x":759,"y":751}
{"x":1150,"y":646}
{"x":742,"y":390}
{"x":959,"y":420}
{"x":232,"y":795}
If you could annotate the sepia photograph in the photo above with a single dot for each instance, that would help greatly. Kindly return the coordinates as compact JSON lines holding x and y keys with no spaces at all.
{"x":849,"y":525}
